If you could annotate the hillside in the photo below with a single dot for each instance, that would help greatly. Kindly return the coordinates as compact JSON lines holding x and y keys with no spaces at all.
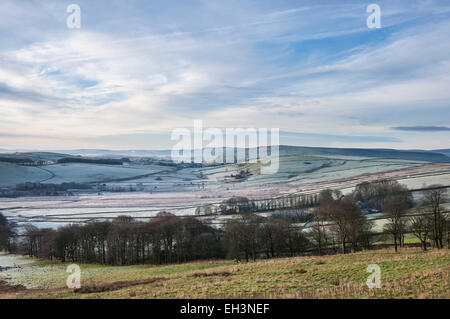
{"x":419,"y":155}
{"x":432,"y":156}
{"x":410,"y":273}
{"x":58,"y":168}
{"x":297,"y":164}
{"x":415,"y":155}
{"x":446,"y":151}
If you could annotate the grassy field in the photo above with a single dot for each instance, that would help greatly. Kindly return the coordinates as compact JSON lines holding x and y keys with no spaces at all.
{"x":411,"y":273}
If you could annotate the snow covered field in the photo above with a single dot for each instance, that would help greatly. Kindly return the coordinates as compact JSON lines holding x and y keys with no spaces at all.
{"x":72,"y":172}
{"x":56,"y":211}
{"x":12,"y":174}
{"x":182,"y":190}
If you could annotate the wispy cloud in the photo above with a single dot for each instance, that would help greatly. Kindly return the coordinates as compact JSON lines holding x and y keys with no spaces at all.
{"x":422,"y":128}
{"x":152,"y":66}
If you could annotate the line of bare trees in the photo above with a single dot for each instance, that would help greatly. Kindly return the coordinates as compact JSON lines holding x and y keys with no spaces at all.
{"x":340,"y":224}
{"x":341,"y":218}
{"x":166,"y":239}
{"x":250,"y":236}
{"x":124,"y":241}
{"x":428,"y":221}
{"x":241,"y":204}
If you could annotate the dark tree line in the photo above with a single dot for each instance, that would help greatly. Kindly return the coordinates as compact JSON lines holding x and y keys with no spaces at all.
{"x":30,"y":186}
{"x":431,"y":225}
{"x":340,"y":218}
{"x":166,"y":239}
{"x":16,"y":160}
{"x":42,"y":189}
{"x":6,"y":234}
{"x":250,"y":237}
{"x":107,"y":161}
{"x":240,"y":204}
{"x":125,"y":241}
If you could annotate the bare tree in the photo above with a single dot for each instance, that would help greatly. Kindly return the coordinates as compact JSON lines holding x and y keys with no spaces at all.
{"x":268,"y":236}
{"x":242,"y":237}
{"x":421,"y":226}
{"x":317,"y":231}
{"x":345,"y":217}
{"x":396,"y":205}
{"x":329,"y":195}
{"x":6,"y":233}
{"x":375,"y":194}
{"x":434,"y":196}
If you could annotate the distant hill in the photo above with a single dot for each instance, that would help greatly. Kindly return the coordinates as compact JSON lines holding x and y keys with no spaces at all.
{"x":430,"y":156}
{"x":441,"y":156}
{"x":445,"y":151}
{"x":95,"y":166}
{"x":163,"y":154}
{"x":33,"y":156}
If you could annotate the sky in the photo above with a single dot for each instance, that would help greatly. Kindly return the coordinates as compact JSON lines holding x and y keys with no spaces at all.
{"x":136,"y":70}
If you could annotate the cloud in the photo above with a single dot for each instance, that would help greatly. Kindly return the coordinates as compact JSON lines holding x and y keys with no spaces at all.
{"x":307,"y":138}
{"x":422,"y":128}
{"x":10,"y":93}
{"x":315,"y":69}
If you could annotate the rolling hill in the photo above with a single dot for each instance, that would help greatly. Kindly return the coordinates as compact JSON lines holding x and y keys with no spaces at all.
{"x":97,"y":165}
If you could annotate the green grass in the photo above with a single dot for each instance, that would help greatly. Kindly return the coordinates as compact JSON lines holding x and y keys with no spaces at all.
{"x":387,"y":240}
{"x":411,"y":273}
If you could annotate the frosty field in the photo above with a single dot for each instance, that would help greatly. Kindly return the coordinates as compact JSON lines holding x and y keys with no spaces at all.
{"x":421,"y":275}
{"x":182,"y":190}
